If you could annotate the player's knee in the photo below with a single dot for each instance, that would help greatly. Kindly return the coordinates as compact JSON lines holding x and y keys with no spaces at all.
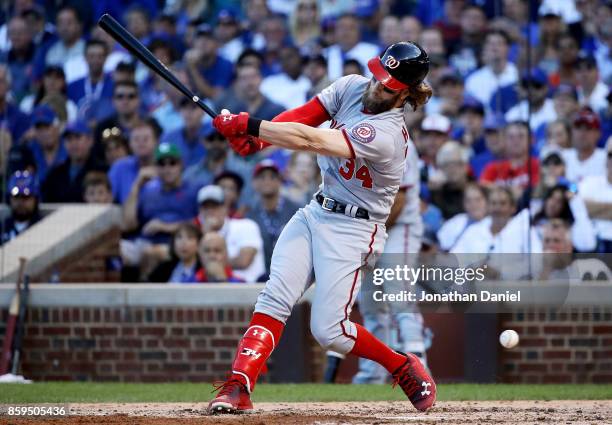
{"x":326,"y":334}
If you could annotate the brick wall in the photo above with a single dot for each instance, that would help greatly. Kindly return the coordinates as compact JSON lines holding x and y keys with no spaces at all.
{"x":568,"y":346}
{"x":89,"y":264}
{"x":135,"y":344}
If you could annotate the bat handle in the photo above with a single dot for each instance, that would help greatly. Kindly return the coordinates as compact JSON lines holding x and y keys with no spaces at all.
{"x":198,"y":101}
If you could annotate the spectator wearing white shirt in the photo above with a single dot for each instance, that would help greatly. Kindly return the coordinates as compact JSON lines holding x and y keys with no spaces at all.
{"x":242,"y":235}
{"x":497,"y":72}
{"x":475,"y":205}
{"x":70,"y":44}
{"x":535,"y":107}
{"x":585,"y":158}
{"x":348,"y":46}
{"x":596,"y":190}
{"x":561,"y":203}
{"x":592,"y":92}
{"x":288,"y":88}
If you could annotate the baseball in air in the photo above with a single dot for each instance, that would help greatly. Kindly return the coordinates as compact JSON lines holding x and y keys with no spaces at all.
{"x":509,"y":338}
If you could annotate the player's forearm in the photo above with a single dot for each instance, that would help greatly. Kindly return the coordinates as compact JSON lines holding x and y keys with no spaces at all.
{"x":297,"y":136}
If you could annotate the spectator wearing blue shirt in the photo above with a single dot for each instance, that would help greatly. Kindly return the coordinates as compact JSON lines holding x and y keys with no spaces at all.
{"x":127,"y":171}
{"x":20,"y":56}
{"x":187,"y":138}
{"x":494,"y":144}
{"x":209,"y":72}
{"x":46,"y":147}
{"x":11,"y":118}
{"x":93,"y":94}
{"x":470,"y":132}
{"x":161,"y":200}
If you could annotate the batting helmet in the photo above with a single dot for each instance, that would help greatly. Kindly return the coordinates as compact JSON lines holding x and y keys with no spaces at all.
{"x":401,"y":65}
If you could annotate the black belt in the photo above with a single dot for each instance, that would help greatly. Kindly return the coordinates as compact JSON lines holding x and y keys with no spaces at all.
{"x":329,"y":204}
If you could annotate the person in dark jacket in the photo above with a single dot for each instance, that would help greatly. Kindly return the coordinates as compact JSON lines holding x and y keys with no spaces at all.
{"x":24,"y":192}
{"x":184,"y":263}
{"x":64,"y":182}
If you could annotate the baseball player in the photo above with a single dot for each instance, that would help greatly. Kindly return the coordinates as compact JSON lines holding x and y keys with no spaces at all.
{"x":361,"y":157}
{"x":405,"y":232}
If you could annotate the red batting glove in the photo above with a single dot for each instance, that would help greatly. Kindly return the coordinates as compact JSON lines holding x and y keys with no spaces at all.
{"x":232,"y":125}
{"x":247,"y":145}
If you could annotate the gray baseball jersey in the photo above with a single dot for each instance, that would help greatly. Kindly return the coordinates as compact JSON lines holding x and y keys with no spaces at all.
{"x":378,"y":143}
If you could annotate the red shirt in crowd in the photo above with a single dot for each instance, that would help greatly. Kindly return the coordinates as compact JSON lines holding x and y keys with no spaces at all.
{"x":502,"y":173}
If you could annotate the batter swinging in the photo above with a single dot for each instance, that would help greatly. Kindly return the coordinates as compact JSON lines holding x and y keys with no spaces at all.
{"x":341,"y":230}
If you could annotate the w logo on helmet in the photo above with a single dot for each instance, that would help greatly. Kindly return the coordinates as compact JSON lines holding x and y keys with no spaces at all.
{"x":391,"y":62}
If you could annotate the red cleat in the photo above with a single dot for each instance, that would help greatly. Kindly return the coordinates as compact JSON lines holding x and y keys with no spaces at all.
{"x":233,"y":398}
{"x":416,"y":383}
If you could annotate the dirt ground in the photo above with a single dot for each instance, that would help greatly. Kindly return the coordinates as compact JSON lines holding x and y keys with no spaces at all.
{"x":471,"y":412}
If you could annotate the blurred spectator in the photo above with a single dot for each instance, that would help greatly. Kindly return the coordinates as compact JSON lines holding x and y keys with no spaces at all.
{"x":168,"y":113}
{"x":432,"y":40}
{"x":450,"y":22}
{"x":603,"y":49}
{"x":389,"y":31}
{"x":475,"y":206}
{"x":126,"y":104}
{"x":565,"y":100}
{"x":256,"y":12}
{"x":596,"y":190}
{"x":160,"y":200}
{"x":535,"y":106}
{"x":23,"y":201}
{"x":138,"y":166}
{"x":42,"y":32}
{"x":592,"y":92}
{"x":410,"y":28}
{"x":153,"y":88}
{"x":584,"y":158}
{"x":188,"y":137}
{"x":115,"y":145}
{"x":124,"y":71}
{"x":447,"y":189}
{"x":242,"y":236}
{"x":514,"y":171}
{"x":20,"y":57}
{"x":274,"y":31}
{"x":11,"y":118}
{"x":246,"y":95}
{"x":70,"y":44}
{"x":228,"y":32}
{"x":304,"y":23}
{"x":348,"y":46}
{"x":448,"y":95}
{"x":315,"y":70}
{"x":232,"y":185}
{"x":552,"y":173}
{"x":302,"y":178}
{"x":271,"y":211}
{"x":496,"y":72}
{"x":289,"y":87}
{"x":184,"y":262}
{"x":568,"y":55}
{"x":495,"y":146}
{"x":64,"y":182}
{"x":93,"y":93}
{"x":471,"y":119}
{"x":209,"y":72}
{"x":558,"y":136}
{"x":215,"y":262}
{"x":551,"y":28}
{"x":116,"y":54}
{"x":350,"y":67}
{"x":435,"y":131}
{"x":97,"y":188}
{"x":465,"y":53}
{"x":52,"y":90}
{"x":46,"y":145}
{"x":560,"y":203}
{"x":215,"y":161}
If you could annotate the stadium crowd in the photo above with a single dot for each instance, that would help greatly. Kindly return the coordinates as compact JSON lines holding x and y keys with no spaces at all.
{"x":515,"y":148}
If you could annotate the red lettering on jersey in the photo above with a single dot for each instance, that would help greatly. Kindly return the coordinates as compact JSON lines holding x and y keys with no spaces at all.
{"x":362,"y":174}
{"x":335,"y":125}
{"x":405,"y":134}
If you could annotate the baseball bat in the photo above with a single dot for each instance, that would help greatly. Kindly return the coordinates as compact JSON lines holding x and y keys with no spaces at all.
{"x":23,"y":307}
{"x":136,"y":48}
{"x":9,"y":333}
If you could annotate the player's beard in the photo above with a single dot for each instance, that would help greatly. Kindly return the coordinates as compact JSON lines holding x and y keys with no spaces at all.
{"x":375,"y":106}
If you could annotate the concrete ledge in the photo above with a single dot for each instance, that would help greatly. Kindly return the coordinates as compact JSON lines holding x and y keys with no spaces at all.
{"x":61,"y":233}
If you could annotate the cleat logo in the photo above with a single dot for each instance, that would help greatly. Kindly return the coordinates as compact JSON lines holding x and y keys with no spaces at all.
{"x":391,"y":62}
{"x":258,"y":332}
{"x":250,"y":352}
{"x":425,"y":386}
